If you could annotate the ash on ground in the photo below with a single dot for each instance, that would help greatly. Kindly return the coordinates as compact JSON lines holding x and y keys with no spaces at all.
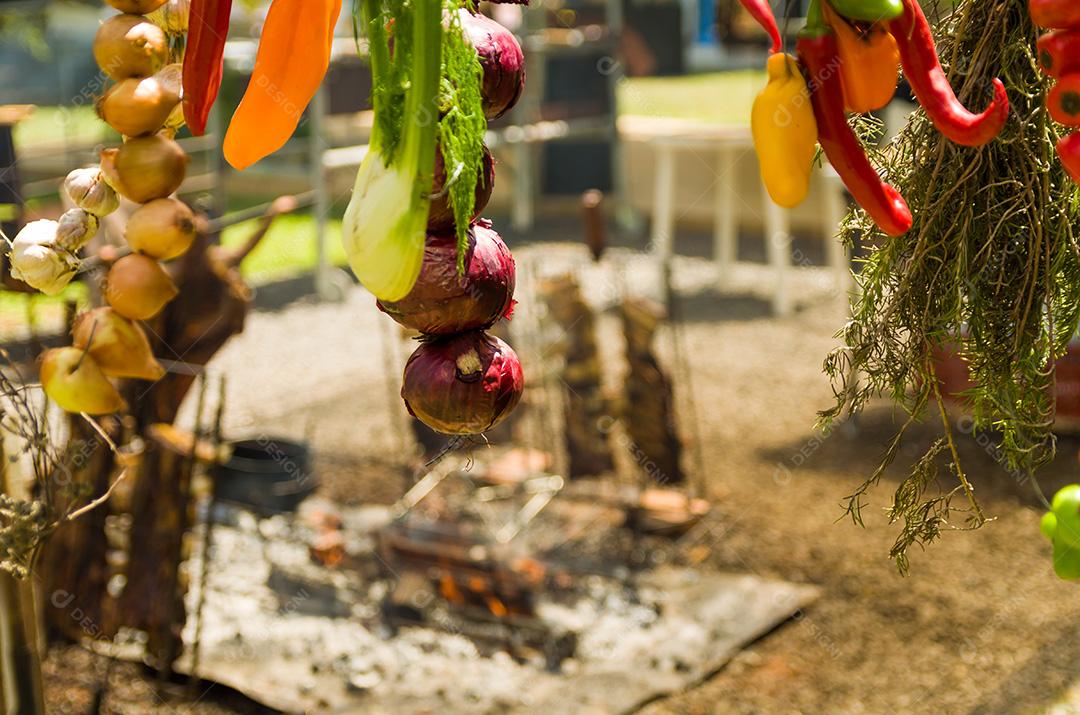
{"x":291,"y":631}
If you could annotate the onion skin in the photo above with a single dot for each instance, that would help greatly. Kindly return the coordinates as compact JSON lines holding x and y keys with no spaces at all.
{"x":130,"y":46}
{"x":441,"y":214}
{"x":464,"y":384}
{"x":137,"y":287}
{"x":73,"y":380}
{"x":442,"y":302}
{"x":162,"y":229}
{"x":137,"y":106}
{"x":502,"y":60}
{"x":145,"y":168}
{"x":117,"y":344}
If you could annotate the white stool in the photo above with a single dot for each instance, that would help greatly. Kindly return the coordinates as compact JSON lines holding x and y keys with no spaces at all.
{"x":729,"y":145}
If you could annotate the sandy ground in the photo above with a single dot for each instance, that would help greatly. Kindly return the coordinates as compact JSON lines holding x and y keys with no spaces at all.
{"x":980,"y":626}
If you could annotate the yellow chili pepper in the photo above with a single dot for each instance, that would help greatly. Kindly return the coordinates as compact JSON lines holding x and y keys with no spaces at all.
{"x":293,"y":55}
{"x":869,"y":62}
{"x":785,"y":132}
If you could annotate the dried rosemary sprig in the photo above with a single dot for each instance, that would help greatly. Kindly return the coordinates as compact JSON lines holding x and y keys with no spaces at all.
{"x":991,"y":267}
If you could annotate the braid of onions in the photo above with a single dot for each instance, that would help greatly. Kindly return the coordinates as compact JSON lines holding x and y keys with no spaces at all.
{"x":412,"y":230}
{"x":141,"y":54}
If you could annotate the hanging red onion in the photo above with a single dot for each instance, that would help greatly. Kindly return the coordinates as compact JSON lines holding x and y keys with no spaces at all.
{"x":441,"y":215}
{"x":463,"y":384}
{"x":442,"y":301}
{"x":502,"y":60}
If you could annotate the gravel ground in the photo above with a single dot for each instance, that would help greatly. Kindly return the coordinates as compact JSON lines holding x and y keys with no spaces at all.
{"x":980,"y":625}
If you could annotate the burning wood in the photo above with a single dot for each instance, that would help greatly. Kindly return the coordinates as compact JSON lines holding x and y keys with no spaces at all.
{"x":462,"y":569}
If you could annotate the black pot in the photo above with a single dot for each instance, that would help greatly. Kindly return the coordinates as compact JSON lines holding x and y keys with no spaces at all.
{"x":267,"y":475}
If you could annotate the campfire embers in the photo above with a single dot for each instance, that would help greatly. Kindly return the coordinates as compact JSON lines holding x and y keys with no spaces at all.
{"x":448,"y":577}
{"x":463,"y":570}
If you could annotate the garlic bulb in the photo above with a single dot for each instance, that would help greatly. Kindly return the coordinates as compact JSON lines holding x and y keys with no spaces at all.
{"x":90,"y":192}
{"x":75,"y":229}
{"x":36,"y":259}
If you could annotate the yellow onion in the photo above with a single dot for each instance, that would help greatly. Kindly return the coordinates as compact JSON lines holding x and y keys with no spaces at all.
{"x":138,"y":106}
{"x":73,"y":380}
{"x":117,"y":344}
{"x":145,"y":168}
{"x":462,"y":384}
{"x":130,"y":46}
{"x":136,"y":7}
{"x":162,"y":229}
{"x":137,"y":287}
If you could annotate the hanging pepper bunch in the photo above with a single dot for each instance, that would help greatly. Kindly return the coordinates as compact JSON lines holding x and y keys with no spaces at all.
{"x":849,"y":56}
{"x":141,"y":55}
{"x":1059,"y":57}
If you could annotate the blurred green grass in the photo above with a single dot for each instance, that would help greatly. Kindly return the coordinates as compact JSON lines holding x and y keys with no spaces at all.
{"x":715,"y":97}
{"x":53,"y":125}
{"x":287,"y":250}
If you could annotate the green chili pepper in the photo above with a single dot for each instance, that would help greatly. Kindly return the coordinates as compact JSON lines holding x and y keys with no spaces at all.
{"x":868,"y":10}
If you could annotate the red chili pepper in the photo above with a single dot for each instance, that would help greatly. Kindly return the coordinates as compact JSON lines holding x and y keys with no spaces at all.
{"x":1069,"y":151}
{"x":820,"y":54}
{"x":1059,"y":52}
{"x":1064,"y":101}
{"x":923,"y":71}
{"x":1064,"y":14}
{"x":762,"y":11}
{"x":207,"y":28}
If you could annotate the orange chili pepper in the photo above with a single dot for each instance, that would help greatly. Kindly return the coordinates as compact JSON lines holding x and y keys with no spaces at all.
{"x":869,"y":63}
{"x":292,"y":59}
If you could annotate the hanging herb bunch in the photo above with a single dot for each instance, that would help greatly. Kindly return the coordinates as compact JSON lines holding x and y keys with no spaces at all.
{"x":990,"y":268}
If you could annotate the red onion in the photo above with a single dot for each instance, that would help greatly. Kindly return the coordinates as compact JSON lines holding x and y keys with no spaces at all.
{"x":444,"y":302}
{"x":441,"y":215}
{"x":463,"y":384}
{"x":502,"y":60}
